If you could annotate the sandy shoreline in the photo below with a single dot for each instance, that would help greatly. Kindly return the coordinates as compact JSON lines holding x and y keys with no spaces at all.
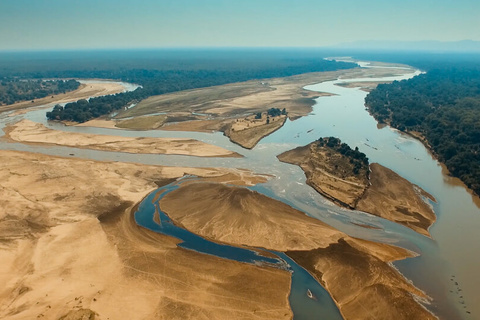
{"x":27,"y":131}
{"x":55,"y":241}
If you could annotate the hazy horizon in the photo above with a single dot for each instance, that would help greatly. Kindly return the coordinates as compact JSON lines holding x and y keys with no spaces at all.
{"x":124,"y":24}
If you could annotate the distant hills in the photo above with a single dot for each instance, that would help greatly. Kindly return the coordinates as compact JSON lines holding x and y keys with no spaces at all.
{"x":424,"y":46}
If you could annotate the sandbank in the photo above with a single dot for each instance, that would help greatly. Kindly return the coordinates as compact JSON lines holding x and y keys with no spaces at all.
{"x":27,"y":131}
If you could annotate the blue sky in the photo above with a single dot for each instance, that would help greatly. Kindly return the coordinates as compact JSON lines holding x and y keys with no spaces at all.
{"x":68,"y":24}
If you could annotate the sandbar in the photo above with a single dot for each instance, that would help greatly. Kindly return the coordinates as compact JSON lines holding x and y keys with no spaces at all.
{"x":27,"y":131}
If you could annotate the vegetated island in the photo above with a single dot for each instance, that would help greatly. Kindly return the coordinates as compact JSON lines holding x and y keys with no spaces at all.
{"x":442,"y":109}
{"x":27,"y":131}
{"x":161,"y":74}
{"x":357,"y":273}
{"x":344,"y":176}
{"x":244,"y":111}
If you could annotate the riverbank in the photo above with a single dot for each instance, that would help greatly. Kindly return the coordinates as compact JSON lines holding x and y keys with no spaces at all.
{"x":69,"y":243}
{"x":27,"y":131}
{"x":382,"y":192}
{"x":85,"y":91}
{"x":238,"y":216}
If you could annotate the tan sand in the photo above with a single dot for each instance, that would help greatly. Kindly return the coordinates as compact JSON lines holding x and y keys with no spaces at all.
{"x":98,"y":123}
{"x":73,"y":249}
{"x":94,"y":89}
{"x":356,"y":272}
{"x":365,"y":86}
{"x":247,"y":132}
{"x":27,"y":131}
{"x":385,"y":194}
{"x":363,"y":286}
{"x":394,"y":198}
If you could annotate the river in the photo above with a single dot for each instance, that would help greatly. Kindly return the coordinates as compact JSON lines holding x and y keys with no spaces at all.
{"x":446,"y":267}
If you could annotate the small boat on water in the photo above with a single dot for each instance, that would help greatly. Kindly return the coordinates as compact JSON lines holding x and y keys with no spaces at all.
{"x":310,"y":294}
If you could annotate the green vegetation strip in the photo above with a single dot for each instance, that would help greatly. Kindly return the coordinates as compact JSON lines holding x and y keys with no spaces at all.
{"x":442,"y":105}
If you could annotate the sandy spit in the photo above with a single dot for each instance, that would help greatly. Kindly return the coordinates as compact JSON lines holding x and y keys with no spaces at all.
{"x":26,"y":131}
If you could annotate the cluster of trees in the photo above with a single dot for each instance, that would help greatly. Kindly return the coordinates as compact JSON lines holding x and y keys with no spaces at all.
{"x":15,"y":90}
{"x":357,"y":158}
{"x":272,"y":112}
{"x":275,"y":112}
{"x":444,"y":106}
{"x":84,"y":110}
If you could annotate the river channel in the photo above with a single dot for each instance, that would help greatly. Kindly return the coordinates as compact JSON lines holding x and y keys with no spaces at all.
{"x":447,"y":264}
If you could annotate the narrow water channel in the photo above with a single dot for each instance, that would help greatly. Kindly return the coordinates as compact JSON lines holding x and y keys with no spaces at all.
{"x":320,"y":306}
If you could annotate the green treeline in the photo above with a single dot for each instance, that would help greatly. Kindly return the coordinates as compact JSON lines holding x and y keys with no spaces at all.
{"x":156,"y":82}
{"x":15,"y":90}
{"x":444,"y":106}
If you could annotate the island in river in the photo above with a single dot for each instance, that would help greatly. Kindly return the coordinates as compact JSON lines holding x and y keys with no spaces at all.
{"x":344,"y":176}
{"x":231,"y":108}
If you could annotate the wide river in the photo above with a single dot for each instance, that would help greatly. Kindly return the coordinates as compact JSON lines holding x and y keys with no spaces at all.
{"x":446,"y":268}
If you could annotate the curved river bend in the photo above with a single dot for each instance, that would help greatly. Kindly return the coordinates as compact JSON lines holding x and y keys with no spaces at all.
{"x":451,"y":254}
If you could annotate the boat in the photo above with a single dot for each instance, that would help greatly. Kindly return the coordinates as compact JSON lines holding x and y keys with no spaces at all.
{"x":310,"y":294}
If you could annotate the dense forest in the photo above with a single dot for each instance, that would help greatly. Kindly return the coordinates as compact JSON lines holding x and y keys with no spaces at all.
{"x":444,"y":106}
{"x":15,"y":90}
{"x":181,"y":73}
